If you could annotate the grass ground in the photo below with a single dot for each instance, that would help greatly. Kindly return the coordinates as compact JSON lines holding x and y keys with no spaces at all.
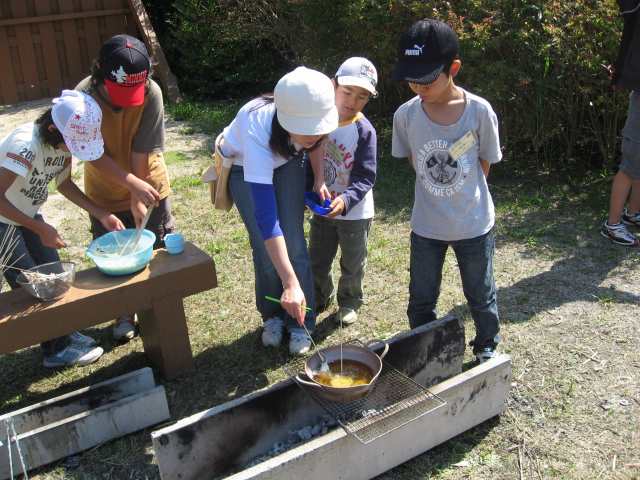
{"x":569,"y":305}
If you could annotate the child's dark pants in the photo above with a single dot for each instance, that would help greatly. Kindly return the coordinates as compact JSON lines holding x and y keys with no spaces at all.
{"x":475,"y":261}
{"x":325,"y":236}
{"x":33,"y":253}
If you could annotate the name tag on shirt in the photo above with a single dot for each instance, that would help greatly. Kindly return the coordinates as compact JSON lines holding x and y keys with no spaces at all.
{"x":463,"y":145}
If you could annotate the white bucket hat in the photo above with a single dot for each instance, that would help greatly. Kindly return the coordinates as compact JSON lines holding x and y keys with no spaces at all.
{"x":358,"y":72}
{"x":79,"y":118}
{"x":305,"y":103}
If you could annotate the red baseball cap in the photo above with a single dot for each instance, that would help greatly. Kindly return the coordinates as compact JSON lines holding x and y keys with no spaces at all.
{"x":125,"y":63}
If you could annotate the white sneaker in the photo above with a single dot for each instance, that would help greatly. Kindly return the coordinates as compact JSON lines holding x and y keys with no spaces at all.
{"x":620,"y":234}
{"x":73,"y":355}
{"x":272,"y":332}
{"x":81,"y":340}
{"x":487,"y":353}
{"x":299,"y":343}
{"x":124,"y":328}
{"x":346,"y":316}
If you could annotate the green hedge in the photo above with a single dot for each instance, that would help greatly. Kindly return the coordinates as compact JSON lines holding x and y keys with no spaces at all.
{"x":538,"y":63}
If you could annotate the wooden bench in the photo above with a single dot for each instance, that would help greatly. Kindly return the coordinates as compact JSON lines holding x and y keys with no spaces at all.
{"x":156,"y":293}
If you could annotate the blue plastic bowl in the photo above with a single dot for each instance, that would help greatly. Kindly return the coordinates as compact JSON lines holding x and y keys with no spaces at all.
{"x":104,"y":252}
{"x":312,"y":200}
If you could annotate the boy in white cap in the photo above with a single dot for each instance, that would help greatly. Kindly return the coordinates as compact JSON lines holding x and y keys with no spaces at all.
{"x":349,"y":175}
{"x":30,"y":157}
{"x":268,"y":142}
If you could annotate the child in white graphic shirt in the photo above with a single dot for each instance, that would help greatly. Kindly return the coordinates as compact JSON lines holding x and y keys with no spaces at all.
{"x":451,"y":138}
{"x":30,"y":157}
{"x":349,"y":174}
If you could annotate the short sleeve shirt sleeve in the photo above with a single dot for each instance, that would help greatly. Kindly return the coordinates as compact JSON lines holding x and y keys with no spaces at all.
{"x":150,"y":135}
{"x":489,"y":140}
{"x":400,"y":147}
{"x":258,"y":157}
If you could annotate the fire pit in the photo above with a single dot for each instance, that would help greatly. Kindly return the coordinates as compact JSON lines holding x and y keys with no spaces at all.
{"x":253,"y":437}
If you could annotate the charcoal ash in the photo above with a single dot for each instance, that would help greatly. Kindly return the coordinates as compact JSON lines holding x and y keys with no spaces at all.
{"x":321,"y":426}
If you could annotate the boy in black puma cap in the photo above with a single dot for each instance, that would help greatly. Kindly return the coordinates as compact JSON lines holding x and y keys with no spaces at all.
{"x":451,"y":138}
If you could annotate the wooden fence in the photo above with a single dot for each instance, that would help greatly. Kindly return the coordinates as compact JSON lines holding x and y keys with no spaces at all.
{"x":48,"y":45}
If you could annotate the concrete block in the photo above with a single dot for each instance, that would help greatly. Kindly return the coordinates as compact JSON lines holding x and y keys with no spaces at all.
{"x":128,"y":411}
{"x":58,"y":408}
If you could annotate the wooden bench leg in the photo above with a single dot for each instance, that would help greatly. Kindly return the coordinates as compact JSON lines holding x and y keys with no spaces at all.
{"x":166,"y":338}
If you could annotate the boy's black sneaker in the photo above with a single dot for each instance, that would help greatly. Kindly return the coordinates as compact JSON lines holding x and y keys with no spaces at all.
{"x":485,"y":352}
{"x":620,"y":234}
{"x":631,"y":219}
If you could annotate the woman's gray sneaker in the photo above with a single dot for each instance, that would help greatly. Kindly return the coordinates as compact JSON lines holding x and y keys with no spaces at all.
{"x":272,"y":332}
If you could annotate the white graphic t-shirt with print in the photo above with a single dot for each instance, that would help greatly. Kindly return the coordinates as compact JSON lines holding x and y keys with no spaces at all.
{"x":35,"y":164}
{"x":452,"y":199}
{"x":339,"y":159}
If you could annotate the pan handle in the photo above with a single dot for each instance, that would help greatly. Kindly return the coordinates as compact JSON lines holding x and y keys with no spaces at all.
{"x":385,"y":350}
{"x":306,"y":382}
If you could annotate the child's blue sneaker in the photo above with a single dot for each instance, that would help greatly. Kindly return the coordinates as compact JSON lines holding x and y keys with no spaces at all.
{"x":81,"y":340}
{"x":73,"y":355}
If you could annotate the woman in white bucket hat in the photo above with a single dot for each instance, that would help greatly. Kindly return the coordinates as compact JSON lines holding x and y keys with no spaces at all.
{"x":268,"y":142}
{"x":31,"y":156}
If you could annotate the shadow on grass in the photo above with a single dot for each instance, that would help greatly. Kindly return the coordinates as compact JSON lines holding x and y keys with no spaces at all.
{"x":444,"y":456}
{"x":19,"y":370}
{"x":224,"y":372}
{"x":559,"y":223}
{"x":568,"y":280}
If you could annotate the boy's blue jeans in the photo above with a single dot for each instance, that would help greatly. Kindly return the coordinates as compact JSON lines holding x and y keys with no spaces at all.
{"x":475,"y":261}
{"x":325,"y":236}
{"x":288,"y":182}
{"x":33,"y":253}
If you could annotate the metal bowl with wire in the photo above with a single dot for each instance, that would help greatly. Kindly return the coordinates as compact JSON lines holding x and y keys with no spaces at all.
{"x":48,"y":281}
{"x":363,"y":356}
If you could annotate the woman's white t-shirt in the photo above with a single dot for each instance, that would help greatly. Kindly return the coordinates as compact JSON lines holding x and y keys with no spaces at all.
{"x":35,"y":163}
{"x":246,"y":139}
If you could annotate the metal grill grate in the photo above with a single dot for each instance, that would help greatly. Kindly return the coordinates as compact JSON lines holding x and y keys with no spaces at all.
{"x":393,"y":401}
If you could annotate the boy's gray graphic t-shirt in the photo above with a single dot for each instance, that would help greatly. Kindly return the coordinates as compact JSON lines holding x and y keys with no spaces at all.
{"x":452,"y":199}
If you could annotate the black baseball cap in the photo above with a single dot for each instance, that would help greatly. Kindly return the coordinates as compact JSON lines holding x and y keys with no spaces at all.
{"x":425,"y":50}
{"x":125,"y":63}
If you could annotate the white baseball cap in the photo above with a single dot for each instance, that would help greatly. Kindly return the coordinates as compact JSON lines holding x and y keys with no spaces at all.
{"x":78,"y":117}
{"x":306,"y":103}
{"x":358,"y":72}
